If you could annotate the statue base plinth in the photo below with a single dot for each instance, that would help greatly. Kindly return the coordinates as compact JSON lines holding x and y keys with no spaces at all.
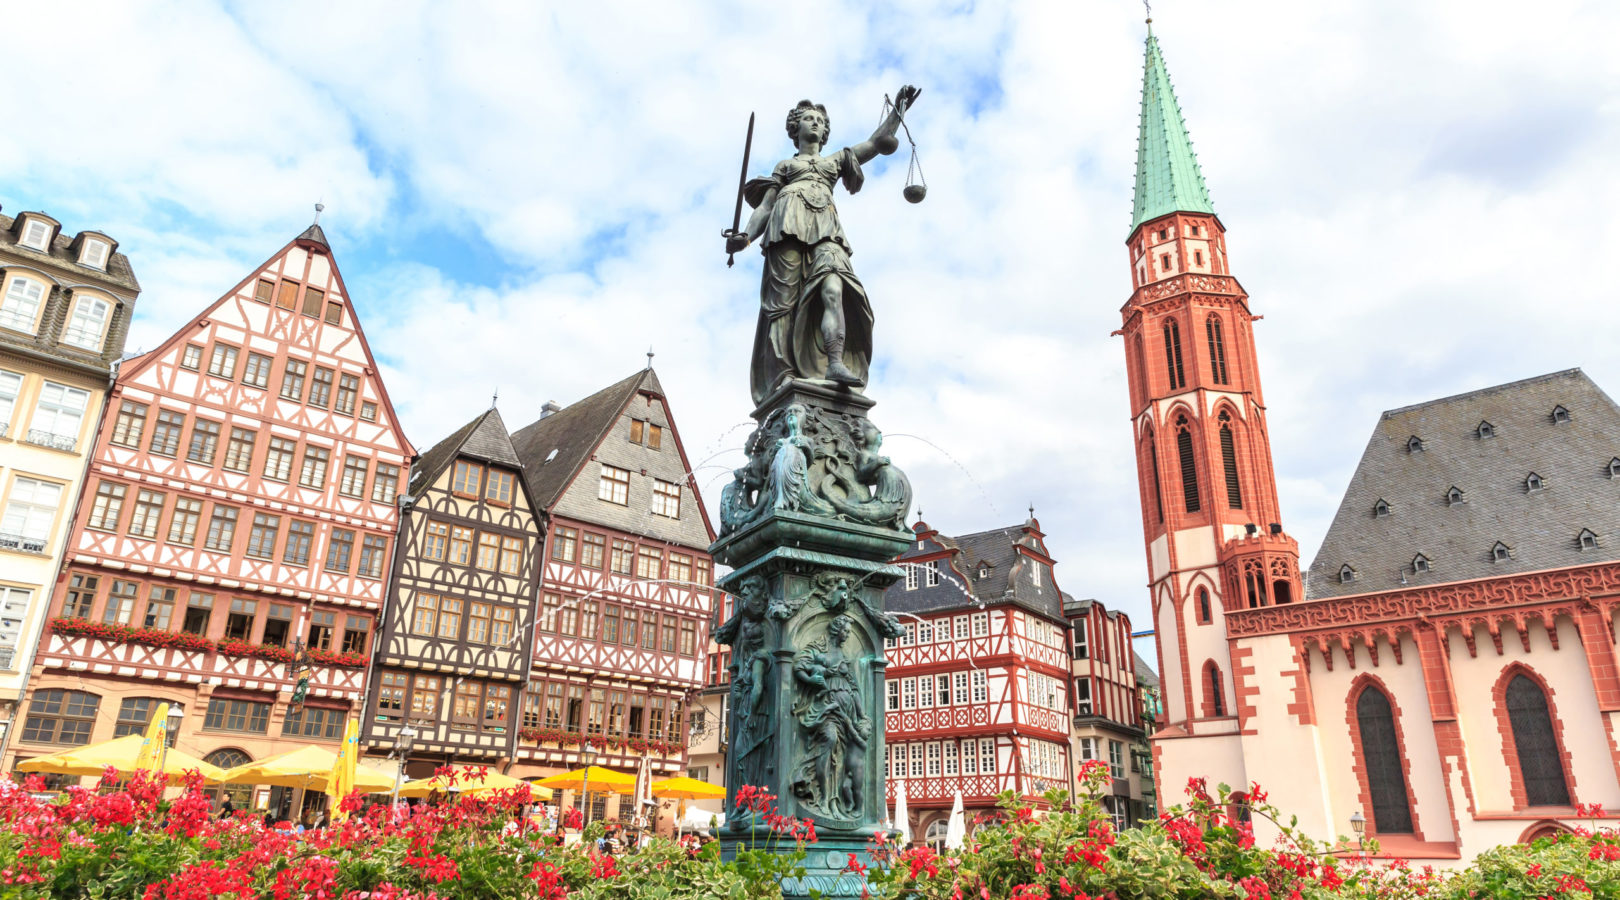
{"x":827,"y":872}
{"x":827,"y":395}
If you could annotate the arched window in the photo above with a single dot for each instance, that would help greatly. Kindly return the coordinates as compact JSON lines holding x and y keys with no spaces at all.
{"x":1282,"y":591}
{"x":1172,"y":354}
{"x":1212,"y":680}
{"x":1204,"y":614}
{"x":1540,"y":763}
{"x":1217,"y":348}
{"x":935,"y":835}
{"x":1158,"y":492}
{"x":241,"y":794}
{"x":1381,"y":754}
{"x":1189,"y":472}
{"x":1234,"y":492}
{"x":21,"y":305}
{"x":1141,"y":370}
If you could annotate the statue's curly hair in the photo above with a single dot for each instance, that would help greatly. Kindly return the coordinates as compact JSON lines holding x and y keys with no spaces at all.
{"x":798,"y":112}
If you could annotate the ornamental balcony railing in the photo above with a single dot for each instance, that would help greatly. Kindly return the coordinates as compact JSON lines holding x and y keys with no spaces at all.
{"x":52,"y":440}
{"x":21,"y":543}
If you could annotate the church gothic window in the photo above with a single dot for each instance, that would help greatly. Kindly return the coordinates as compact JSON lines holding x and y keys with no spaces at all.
{"x":1217,"y":348}
{"x":1234,"y":492}
{"x":1381,"y":754}
{"x":1540,"y":762}
{"x":1204,"y":613}
{"x":1189,"y":472}
{"x":1158,"y":492}
{"x":1212,"y":679}
{"x":1172,"y":355}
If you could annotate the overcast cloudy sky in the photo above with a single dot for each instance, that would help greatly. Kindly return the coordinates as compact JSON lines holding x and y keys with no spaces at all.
{"x":1420,"y":199}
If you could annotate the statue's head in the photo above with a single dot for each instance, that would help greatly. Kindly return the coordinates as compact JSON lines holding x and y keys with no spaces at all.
{"x":838,"y":629}
{"x":754,"y":594}
{"x":808,"y":114}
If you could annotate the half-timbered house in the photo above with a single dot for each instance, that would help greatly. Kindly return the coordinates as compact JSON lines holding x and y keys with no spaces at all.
{"x":622,"y":633}
{"x":1107,"y":705}
{"x":239,"y":505}
{"x":453,"y":649}
{"x":65,"y":305}
{"x":977,"y":696}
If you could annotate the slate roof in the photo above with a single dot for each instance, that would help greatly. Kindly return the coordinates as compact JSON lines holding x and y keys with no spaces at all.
{"x":574,"y":433}
{"x":1009,"y":579}
{"x":1144,"y":671}
{"x":118,"y":271}
{"x":483,"y":438}
{"x":1167,"y":175}
{"x":314,"y":234}
{"x":1541,"y":528}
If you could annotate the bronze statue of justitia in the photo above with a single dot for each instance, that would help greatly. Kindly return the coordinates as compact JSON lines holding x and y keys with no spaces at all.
{"x":815,"y":321}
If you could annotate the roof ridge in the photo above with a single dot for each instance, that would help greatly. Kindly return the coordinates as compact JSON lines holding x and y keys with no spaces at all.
{"x":1480,"y":392}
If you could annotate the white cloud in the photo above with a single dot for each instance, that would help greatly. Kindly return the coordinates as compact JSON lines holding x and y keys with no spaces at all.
{"x":527,"y":196}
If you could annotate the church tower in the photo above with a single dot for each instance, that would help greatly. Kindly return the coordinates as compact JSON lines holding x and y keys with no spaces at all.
{"x":1210,"y":516}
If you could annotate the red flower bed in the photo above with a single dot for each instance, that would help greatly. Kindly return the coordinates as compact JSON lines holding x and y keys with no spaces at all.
{"x":125,"y":634}
{"x":341,"y":660}
{"x":257,"y":651}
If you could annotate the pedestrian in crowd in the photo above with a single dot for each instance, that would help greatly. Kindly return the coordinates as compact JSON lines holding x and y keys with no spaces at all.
{"x":227,"y":809}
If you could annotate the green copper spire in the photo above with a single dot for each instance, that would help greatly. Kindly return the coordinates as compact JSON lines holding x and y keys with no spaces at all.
{"x":1167,"y":175}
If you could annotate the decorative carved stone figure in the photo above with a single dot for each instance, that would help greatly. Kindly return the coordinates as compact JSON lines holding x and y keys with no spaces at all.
{"x":830,"y":775}
{"x":751,"y":726}
{"x":815,"y":321}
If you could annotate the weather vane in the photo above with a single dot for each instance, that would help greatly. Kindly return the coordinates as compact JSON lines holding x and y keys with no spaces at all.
{"x":319,"y":206}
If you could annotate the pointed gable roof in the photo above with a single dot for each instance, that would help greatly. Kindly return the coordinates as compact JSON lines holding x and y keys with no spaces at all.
{"x":1167,"y":175}
{"x":483,"y":438}
{"x":554,"y":448}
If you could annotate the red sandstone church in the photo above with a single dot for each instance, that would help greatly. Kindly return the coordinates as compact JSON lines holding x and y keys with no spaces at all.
{"x":1447,"y":672}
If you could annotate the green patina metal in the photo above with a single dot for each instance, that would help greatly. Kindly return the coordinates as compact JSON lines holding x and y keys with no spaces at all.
{"x":1167,"y":175}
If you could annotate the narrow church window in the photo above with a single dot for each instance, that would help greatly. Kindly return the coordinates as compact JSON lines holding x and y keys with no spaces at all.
{"x":1500,"y":552}
{"x":1346,"y":574}
{"x":1172,"y":354}
{"x":1588,"y":539}
{"x":1414,"y":444}
{"x":1380,"y":509}
{"x":1454,"y":496}
{"x":1560,"y":415}
{"x":1381,"y":753}
{"x":1164,"y":233}
{"x":1158,"y":493}
{"x":1234,"y":493}
{"x":1198,"y":257}
{"x":1195,"y":230}
{"x":1217,"y":348}
{"x":1540,"y":762}
{"x":1532,"y":482}
{"x":1486,"y":430}
{"x":1164,"y":261}
{"x":1141,"y":370}
{"x":1204,"y":614}
{"x":1420,"y":563}
{"x":1189,"y":474}
{"x":1217,"y":703}
{"x":1282,"y":591}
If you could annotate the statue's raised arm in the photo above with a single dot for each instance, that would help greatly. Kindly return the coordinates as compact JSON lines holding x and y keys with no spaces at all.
{"x":815,"y":322}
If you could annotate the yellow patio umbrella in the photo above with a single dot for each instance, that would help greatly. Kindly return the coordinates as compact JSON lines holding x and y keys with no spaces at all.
{"x":601,"y":781}
{"x":156,"y":741}
{"x":120,"y":754}
{"x":307,"y":767}
{"x":341,"y":781}
{"x":492,"y":781}
{"x":684,"y":788}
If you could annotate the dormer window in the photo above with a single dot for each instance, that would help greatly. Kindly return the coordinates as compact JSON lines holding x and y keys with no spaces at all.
{"x":1485,"y":430}
{"x":1414,"y":444}
{"x":1454,"y":496}
{"x":1614,"y":467}
{"x":1560,"y":415}
{"x":1346,"y":574}
{"x":1500,"y":552}
{"x":1381,"y":509}
{"x":1420,"y":563}
{"x":94,"y":253}
{"x":36,"y":234}
{"x":1532,"y":482}
{"x":984,"y":571}
{"x":1587,"y":539}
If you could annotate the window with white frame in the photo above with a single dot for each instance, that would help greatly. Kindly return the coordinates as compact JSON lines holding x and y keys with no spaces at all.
{"x":908,"y":693}
{"x":60,"y":412}
{"x":88,"y":324}
{"x":666,"y":499}
{"x":925,"y":632}
{"x":916,"y":760}
{"x":987,"y":756}
{"x":981,"y":686}
{"x":910,"y":637}
{"x":892,"y":688}
{"x":951,"y":749}
{"x":10,"y":387}
{"x":933,"y":759}
{"x":961,"y":679}
{"x":1082,"y":696}
{"x":36,"y":235}
{"x":30,"y":513}
{"x":925,"y":695}
{"x":932,"y":573}
{"x":943,"y":683}
{"x":1088,"y":748}
{"x":13,"y":609}
{"x":1082,"y":646}
{"x":961,"y":627}
{"x":981,"y":624}
{"x":1116,"y":759}
{"x":93,"y":254}
{"x":614,"y":486}
{"x":911,"y":575}
{"x":20,"y":307}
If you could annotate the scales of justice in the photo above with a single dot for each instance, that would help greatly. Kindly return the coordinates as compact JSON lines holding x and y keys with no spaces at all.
{"x":811,"y":520}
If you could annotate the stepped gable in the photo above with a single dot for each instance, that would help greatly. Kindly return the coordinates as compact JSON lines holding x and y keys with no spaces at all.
{"x":1540,"y":527}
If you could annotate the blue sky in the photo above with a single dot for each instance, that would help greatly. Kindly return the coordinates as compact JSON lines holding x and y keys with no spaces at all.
{"x":1418,"y":199}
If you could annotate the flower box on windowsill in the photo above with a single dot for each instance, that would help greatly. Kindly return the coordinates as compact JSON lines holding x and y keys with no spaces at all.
{"x":621,"y":745}
{"x":256,"y":651}
{"x":124,"y":634}
{"x":340,"y":660}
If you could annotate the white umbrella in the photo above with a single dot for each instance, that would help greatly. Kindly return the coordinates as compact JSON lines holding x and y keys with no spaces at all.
{"x":643,"y":794}
{"x":902,"y":818}
{"x":956,"y":828}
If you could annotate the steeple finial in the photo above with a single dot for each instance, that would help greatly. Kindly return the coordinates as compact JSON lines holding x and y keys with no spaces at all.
{"x":1148,"y":6}
{"x":1167,"y":175}
{"x":495,"y":398}
{"x":319,"y":208}
{"x":649,"y":356}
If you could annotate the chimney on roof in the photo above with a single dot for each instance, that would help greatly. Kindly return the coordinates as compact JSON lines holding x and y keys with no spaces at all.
{"x":550,"y":408}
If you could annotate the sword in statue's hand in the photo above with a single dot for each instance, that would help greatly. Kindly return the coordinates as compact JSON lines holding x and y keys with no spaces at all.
{"x":736,"y":215}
